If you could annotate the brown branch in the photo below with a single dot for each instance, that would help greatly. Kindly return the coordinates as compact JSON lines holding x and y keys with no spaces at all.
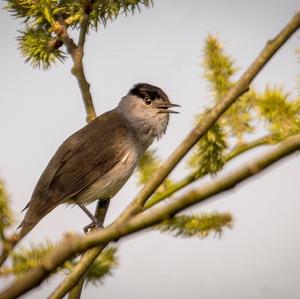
{"x":87,"y":259}
{"x":75,"y":293}
{"x":83,"y":30}
{"x":156,"y":198}
{"x":77,"y":273}
{"x":74,"y":244}
{"x":76,"y":53}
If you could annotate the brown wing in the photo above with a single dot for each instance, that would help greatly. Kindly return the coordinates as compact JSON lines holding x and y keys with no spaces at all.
{"x":83,"y":158}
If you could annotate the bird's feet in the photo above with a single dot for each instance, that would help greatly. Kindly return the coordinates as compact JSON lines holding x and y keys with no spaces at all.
{"x":93,"y":225}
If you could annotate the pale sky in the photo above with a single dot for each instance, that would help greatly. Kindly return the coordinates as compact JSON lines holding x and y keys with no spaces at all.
{"x":260,"y":256}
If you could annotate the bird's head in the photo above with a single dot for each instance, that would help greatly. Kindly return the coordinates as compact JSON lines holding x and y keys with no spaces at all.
{"x":147,"y":107}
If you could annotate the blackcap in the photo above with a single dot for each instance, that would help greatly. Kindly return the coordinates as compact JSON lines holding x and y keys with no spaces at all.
{"x":96,"y":161}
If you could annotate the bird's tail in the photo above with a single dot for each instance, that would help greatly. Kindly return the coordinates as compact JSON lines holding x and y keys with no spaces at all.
{"x":29,"y":222}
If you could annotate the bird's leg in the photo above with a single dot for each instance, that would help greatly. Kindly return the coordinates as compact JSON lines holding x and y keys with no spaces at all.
{"x":101,"y":209}
{"x":95,"y":221}
{"x":98,"y":219}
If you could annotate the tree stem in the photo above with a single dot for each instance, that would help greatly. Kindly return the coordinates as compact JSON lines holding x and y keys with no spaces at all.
{"x":75,"y":293}
{"x":156,"y":198}
{"x":77,"y":53}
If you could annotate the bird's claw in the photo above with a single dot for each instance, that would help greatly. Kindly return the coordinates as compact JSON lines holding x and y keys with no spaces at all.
{"x":92,"y":225}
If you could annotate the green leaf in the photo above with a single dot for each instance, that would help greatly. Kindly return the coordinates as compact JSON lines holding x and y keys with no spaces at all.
{"x":238,"y":119}
{"x":218,"y":67}
{"x":147,"y":165}
{"x":197,"y":225}
{"x":40,"y":48}
{"x":279,"y":113}
{"x":25,"y":259}
{"x":209,"y":153}
{"x":102,"y":266}
{"x":218,"y":70}
{"x":103,"y":11}
{"x":34,"y":12}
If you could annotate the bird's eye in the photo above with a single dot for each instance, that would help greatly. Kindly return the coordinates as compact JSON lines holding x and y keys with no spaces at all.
{"x":147,"y":100}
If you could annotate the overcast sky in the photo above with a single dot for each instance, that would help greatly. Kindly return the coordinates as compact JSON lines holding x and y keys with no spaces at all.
{"x":260,"y":256}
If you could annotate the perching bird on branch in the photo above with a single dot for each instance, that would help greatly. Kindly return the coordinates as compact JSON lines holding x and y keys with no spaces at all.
{"x":96,"y":161}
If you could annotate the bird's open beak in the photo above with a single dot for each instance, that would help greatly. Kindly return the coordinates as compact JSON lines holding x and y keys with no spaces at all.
{"x":164,"y":108}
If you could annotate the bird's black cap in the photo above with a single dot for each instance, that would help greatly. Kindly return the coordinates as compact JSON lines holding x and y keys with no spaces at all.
{"x":143,"y":90}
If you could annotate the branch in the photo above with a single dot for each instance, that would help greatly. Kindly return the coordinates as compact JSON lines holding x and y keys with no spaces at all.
{"x":75,"y":293}
{"x":71,"y":280}
{"x":76,"y":53}
{"x":212,"y":116}
{"x":83,"y":30}
{"x":156,"y":198}
{"x":77,"y":273}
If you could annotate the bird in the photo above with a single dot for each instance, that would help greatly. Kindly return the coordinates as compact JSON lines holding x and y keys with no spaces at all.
{"x":96,"y":161}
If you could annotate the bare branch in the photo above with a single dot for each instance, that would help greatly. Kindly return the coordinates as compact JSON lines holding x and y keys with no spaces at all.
{"x":75,"y":293}
{"x":77,"y":273}
{"x":83,"y":30}
{"x":76,"y":54}
{"x":71,"y":280}
{"x":156,"y":198}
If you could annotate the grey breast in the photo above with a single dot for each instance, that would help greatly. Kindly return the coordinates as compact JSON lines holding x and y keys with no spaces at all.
{"x":92,"y":163}
{"x":112,"y":181}
{"x":123,"y":145}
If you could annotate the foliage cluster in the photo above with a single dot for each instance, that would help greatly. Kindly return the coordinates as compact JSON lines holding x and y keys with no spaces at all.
{"x":25,"y":259}
{"x":38,"y":41}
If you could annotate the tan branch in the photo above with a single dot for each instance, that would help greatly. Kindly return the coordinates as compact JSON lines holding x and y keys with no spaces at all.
{"x":83,"y":30}
{"x":156,"y":198}
{"x":75,"y":293}
{"x":76,"y":53}
{"x":77,"y":273}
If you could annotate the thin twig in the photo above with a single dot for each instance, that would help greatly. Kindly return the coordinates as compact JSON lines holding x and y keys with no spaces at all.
{"x":77,"y":70}
{"x":83,"y":30}
{"x":156,"y":198}
{"x":75,"y":244}
{"x":86,"y":260}
{"x":77,"y":273}
{"x":75,"y":293}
